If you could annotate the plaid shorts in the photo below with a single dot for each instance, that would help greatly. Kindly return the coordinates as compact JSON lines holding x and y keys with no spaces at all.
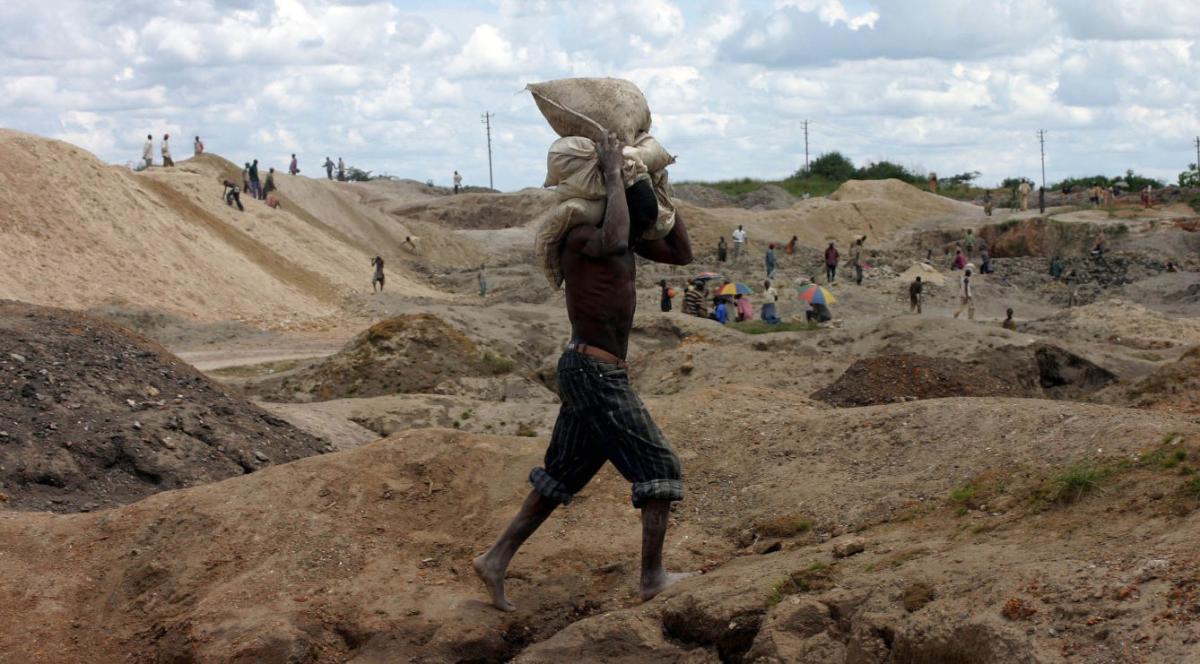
{"x":602,"y":419}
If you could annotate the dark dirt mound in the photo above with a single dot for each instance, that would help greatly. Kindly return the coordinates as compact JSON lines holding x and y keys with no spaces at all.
{"x":702,"y":196}
{"x":768,"y":197}
{"x":901,"y":377}
{"x":1038,"y":370}
{"x":406,"y":354}
{"x":93,"y":415}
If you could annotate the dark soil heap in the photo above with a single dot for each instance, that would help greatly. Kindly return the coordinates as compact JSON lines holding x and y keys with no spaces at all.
{"x":407,"y":354}
{"x":1038,"y":370}
{"x":901,"y":377}
{"x":93,"y":415}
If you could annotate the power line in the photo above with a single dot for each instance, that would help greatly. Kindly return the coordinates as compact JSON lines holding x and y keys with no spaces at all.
{"x":486,"y":119}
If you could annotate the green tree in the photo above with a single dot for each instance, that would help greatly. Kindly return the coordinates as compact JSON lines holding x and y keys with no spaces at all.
{"x":832,"y":165}
{"x":961,"y":180}
{"x":882,"y":170}
{"x":355,"y":174}
{"x":1190,"y":177}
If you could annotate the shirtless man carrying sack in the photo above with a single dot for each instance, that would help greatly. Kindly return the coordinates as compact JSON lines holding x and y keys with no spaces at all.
{"x":601,"y":418}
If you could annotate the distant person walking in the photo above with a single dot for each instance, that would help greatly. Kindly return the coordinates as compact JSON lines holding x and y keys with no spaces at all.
{"x":255,"y":187}
{"x":665,"y":296}
{"x":987,"y":203}
{"x":739,"y":242}
{"x":831,"y":263}
{"x":769,"y":261}
{"x":328,"y":168}
{"x":483,"y":285}
{"x":722,"y":250}
{"x":915,"y":295}
{"x":791,"y":246}
{"x":232,"y":195}
{"x":341,"y":170}
{"x":966,"y":300}
{"x":770,"y":298}
{"x":166,"y":152}
{"x":1147,"y":197}
{"x":856,"y":259}
{"x":148,"y":151}
{"x":294,"y":167}
{"x":960,"y":259}
{"x":269,"y":187}
{"x":969,"y":242}
{"x":1097,"y":195}
{"x":933,"y":183}
{"x":197,"y":147}
{"x":1023,"y":191}
{"x":1009,"y":323}
{"x":377,"y":263}
{"x":246,"y":179}
{"x":457,"y":182}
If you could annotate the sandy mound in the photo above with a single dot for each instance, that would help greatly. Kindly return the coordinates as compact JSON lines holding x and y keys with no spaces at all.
{"x":1174,"y":387}
{"x":702,"y":196}
{"x":478,"y":211}
{"x":1122,"y":323}
{"x":925,"y":271}
{"x":406,"y":354}
{"x":163,"y":239}
{"x":92,"y":415}
{"x":768,"y":197}
{"x":364,"y":555}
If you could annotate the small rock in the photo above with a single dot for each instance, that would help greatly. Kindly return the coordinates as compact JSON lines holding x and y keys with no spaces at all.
{"x":151,"y":391}
{"x":768,"y":546}
{"x":1151,"y":569}
{"x":260,"y":456}
{"x":131,"y":403}
{"x":17,"y":356}
{"x":848,"y":547}
{"x":137,"y":425}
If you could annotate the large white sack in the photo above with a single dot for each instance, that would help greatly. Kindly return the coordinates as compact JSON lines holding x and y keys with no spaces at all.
{"x":587,"y":106}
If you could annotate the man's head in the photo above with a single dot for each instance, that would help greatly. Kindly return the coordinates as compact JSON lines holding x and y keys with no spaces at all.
{"x":293,"y":155}
{"x":1009,"y":312}
{"x":739,"y":227}
{"x":766,"y":284}
{"x":831,"y":245}
{"x":662,"y":282}
{"x":918,"y":279}
{"x":256,"y":162}
{"x":967,"y":272}
{"x":149,"y":137}
{"x":198,"y":138}
{"x":643,"y":207}
{"x":771,"y":245}
{"x":166,"y":136}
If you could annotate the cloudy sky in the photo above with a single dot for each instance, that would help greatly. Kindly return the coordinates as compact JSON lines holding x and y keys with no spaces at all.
{"x":399,"y":87}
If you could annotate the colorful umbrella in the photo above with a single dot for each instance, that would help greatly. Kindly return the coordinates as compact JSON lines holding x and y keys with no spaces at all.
{"x":735,"y":289}
{"x":814,"y":294}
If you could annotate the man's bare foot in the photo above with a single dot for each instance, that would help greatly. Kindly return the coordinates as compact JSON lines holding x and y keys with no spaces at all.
{"x":493,"y":579}
{"x":660,"y":582}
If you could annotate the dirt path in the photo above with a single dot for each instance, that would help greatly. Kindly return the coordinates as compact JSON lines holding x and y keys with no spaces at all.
{"x":224,"y":358}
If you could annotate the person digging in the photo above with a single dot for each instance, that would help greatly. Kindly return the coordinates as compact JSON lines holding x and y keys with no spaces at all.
{"x":601,"y":418}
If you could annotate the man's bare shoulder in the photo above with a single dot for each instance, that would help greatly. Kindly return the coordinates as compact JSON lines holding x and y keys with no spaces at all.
{"x":579,"y":236}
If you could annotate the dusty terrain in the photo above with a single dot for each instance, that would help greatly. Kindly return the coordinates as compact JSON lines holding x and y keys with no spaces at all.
{"x":886,"y":488}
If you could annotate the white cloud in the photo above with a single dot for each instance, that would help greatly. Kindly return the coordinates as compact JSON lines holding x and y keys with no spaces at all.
{"x":947,"y":85}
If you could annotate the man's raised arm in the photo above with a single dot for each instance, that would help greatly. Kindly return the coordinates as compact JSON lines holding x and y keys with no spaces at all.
{"x":674,"y":249}
{"x":613,"y":237}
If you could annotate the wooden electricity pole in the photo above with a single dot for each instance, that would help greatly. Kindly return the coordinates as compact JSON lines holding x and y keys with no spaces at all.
{"x":487,"y":122}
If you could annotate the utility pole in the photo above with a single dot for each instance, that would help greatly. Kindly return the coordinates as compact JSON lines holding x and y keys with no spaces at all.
{"x":487,"y":122}
{"x":806,"y":147}
{"x":1197,"y":142}
{"x":1042,"y":191}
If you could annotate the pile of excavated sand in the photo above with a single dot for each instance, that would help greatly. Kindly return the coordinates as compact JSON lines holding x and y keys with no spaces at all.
{"x":1120,"y":322}
{"x":925,"y":271}
{"x":92,"y":415}
{"x":413,"y":353}
{"x":163,"y":239}
{"x":474,"y":211}
{"x":878,"y":209}
{"x":1173,"y":387}
{"x":365,"y":555}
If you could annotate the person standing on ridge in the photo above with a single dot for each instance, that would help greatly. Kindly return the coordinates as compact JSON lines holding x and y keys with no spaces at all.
{"x":166,"y":152}
{"x":377,"y":263}
{"x":601,"y":418}
{"x":457,"y":182}
{"x":1023,"y":191}
{"x":328,"y":168}
{"x":255,"y":187}
{"x":987,"y":203}
{"x":270,"y":184}
{"x":341,"y":170}
{"x":294,"y":167}
{"x":197,"y":147}
{"x":831,"y":263}
{"x":739,"y":242}
{"x":769,"y":260}
{"x":722,"y":249}
{"x":148,"y":151}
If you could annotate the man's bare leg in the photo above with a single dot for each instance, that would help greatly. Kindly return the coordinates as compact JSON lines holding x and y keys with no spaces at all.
{"x":492,"y":566}
{"x":655,"y":578}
